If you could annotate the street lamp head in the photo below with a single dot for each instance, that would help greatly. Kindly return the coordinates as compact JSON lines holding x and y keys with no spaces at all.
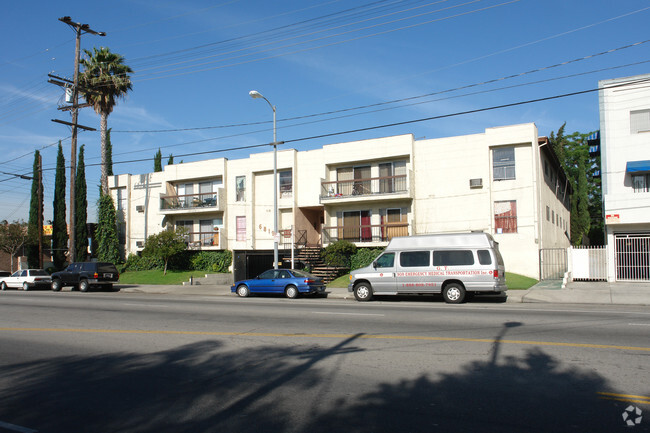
{"x":255,"y":94}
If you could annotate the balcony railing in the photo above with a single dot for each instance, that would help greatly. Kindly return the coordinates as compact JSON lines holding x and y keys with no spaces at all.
{"x":369,"y":186}
{"x":189,"y":201}
{"x":365,"y":233}
{"x":197,"y":240}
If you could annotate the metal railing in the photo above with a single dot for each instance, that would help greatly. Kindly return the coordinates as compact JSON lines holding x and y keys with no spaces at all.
{"x":365,"y":233}
{"x":359,"y":187}
{"x":188,"y":201}
{"x":202,"y":239}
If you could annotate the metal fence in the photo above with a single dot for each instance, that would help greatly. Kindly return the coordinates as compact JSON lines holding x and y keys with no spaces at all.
{"x":589,"y":263}
{"x":632,"y":257}
{"x":553,"y":263}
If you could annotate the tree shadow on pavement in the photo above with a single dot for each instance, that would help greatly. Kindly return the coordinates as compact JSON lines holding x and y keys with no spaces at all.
{"x":204,"y":387}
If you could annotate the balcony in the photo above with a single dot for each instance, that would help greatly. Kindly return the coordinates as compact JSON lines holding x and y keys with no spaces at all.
{"x":365,"y":234}
{"x":203,"y":240}
{"x":201,"y":202}
{"x":365,"y":189}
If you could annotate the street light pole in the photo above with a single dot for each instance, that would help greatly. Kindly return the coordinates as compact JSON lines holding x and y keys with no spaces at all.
{"x":255,"y":95}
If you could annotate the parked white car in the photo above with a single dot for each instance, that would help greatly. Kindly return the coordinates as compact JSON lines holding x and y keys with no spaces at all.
{"x":26,"y":279}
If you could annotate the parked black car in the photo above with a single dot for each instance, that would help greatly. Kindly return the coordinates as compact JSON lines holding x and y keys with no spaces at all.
{"x":84,"y":275}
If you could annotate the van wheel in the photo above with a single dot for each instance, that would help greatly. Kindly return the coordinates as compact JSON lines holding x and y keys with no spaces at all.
{"x":454,"y":293}
{"x":363,"y":292}
{"x":291,"y":292}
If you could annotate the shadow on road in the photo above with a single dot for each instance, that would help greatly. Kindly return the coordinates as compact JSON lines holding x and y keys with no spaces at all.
{"x":203,"y":387}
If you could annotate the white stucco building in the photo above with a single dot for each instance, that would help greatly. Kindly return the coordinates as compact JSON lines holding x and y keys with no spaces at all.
{"x":505,"y":181}
{"x":625,"y":161}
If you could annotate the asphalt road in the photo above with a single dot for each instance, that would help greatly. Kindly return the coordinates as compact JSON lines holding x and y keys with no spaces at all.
{"x":116,"y":362}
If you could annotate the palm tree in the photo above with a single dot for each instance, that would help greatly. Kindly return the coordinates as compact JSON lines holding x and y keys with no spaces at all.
{"x":104,"y":80}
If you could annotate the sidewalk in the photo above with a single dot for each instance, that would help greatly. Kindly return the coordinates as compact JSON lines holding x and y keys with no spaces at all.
{"x":598,"y":292}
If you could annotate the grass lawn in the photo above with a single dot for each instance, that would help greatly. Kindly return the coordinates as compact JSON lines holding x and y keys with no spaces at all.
{"x":513,"y":281}
{"x":157,"y":277}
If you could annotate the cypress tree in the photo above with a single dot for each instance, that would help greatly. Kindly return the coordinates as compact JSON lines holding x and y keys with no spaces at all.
{"x":59,"y":226}
{"x":108,"y":249}
{"x":109,"y":153}
{"x":81,"y":210}
{"x":157,"y":161}
{"x":170,"y":161}
{"x":35,"y":208}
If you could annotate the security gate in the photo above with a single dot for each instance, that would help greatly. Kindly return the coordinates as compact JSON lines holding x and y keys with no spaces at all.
{"x":589,"y":263}
{"x":632,"y":257}
{"x":553,"y":263}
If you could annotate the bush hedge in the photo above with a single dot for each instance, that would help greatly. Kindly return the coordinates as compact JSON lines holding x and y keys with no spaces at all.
{"x":364,"y":257}
{"x":209,"y":261}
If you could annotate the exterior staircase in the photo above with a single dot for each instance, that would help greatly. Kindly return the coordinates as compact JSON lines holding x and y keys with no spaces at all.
{"x":310,"y":257}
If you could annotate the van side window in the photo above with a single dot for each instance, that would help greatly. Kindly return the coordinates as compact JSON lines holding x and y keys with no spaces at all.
{"x":410,"y":259}
{"x":484,"y":257}
{"x":453,"y":258}
{"x":386,"y":261}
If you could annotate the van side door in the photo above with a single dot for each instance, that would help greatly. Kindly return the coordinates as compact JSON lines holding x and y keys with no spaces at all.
{"x":383,"y":279}
{"x":414,"y":273}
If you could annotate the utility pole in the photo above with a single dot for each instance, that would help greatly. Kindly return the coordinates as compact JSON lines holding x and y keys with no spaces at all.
{"x":79,"y":29}
{"x":40,"y":214}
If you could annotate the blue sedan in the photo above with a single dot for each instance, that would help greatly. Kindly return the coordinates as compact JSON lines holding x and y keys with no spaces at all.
{"x":288,"y":281}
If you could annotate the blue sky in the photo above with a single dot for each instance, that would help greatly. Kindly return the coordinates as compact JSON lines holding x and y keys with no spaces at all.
{"x":195,"y":61}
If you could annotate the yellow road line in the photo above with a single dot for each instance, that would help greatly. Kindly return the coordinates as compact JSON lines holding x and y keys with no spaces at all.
{"x":625,"y":397}
{"x":363,"y":336}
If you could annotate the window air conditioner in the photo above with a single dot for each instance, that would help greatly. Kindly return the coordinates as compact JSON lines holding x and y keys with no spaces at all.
{"x":139,"y":208}
{"x":139,"y":244}
{"x":476,"y":183}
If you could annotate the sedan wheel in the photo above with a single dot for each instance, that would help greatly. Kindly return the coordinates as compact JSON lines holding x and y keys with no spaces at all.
{"x":25,"y":286}
{"x":3,"y":286}
{"x":291,"y":292}
{"x":243,"y":291}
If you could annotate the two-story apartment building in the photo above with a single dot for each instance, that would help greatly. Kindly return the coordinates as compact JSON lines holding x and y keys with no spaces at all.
{"x":505,"y":181}
{"x":625,"y":161}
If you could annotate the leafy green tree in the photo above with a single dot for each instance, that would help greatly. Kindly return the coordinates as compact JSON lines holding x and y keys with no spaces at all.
{"x":582,"y":171}
{"x":81,"y":210}
{"x":108,"y":248}
{"x":157,"y":162}
{"x":35,"y":215}
{"x":339,"y":253}
{"x":12,"y":237}
{"x":104,"y":80}
{"x":59,"y":225}
{"x":109,"y":153}
{"x":170,"y":161}
{"x":165,"y":245}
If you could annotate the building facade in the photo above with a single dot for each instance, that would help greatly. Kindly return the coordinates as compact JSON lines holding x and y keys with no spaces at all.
{"x":505,"y":181}
{"x":625,"y":161}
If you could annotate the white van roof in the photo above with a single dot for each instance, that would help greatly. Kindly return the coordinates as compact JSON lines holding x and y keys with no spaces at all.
{"x":447,"y":240}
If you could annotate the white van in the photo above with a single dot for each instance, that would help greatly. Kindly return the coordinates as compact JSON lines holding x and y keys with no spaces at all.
{"x":451,"y":264}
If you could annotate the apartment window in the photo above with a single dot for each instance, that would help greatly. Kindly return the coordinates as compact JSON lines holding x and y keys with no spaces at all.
{"x":286,"y":183}
{"x":548,"y":213}
{"x":388,"y":180}
{"x":641,"y":182}
{"x":120,"y":199}
{"x":188,"y":225}
{"x":505,"y":216}
{"x":240,"y":188}
{"x":503,"y":163}
{"x":639,"y":121}
{"x":241,"y":228}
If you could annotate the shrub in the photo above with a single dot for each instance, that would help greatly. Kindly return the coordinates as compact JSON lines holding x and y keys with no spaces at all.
{"x":143,"y":263}
{"x":363,"y":257}
{"x":339,"y":253}
{"x":211,"y":261}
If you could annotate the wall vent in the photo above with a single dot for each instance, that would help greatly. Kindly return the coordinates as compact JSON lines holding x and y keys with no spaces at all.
{"x":139,"y":208}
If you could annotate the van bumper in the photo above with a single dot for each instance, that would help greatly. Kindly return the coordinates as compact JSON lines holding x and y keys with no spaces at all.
{"x":351,"y":287}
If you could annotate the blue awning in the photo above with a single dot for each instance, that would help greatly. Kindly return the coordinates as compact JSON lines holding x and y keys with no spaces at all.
{"x":638,"y":166}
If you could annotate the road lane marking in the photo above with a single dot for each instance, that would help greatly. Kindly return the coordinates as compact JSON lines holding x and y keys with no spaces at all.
{"x":638,"y":324}
{"x":17,"y":428}
{"x":630,"y":398}
{"x":345,"y":336}
{"x":348,"y":314}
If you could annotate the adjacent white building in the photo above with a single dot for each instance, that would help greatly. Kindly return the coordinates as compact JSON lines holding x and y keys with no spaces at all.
{"x":625,"y":161}
{"x":506,"y":181}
